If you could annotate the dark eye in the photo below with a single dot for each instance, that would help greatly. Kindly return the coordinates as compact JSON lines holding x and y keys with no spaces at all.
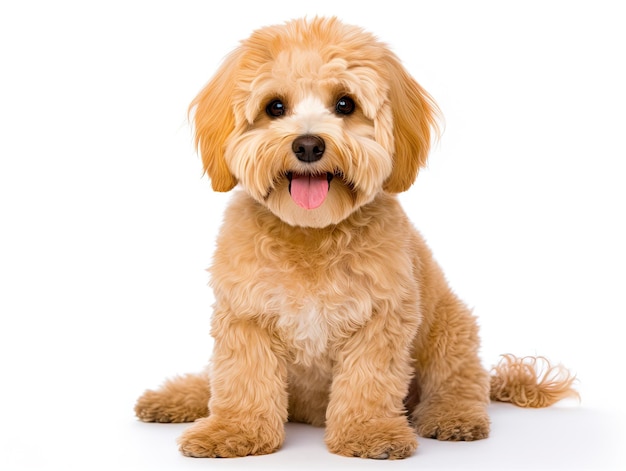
{"x":345,"y":105}
{"x":275,"y":108}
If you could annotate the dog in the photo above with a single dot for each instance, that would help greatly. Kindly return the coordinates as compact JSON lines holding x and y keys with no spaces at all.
{"x":329,"y":307}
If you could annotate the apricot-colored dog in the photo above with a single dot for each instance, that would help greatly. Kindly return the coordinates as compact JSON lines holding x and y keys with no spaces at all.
{"x":329,"y":309}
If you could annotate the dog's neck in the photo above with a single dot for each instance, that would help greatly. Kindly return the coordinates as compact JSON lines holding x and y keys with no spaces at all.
{"x":245,"y":210}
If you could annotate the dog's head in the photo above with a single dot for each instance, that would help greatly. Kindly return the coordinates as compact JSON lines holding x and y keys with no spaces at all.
{"x":313,"y":119}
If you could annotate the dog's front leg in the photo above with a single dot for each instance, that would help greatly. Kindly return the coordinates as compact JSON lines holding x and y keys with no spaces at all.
{"x":365,"y":415}
{"x":248,"y":406}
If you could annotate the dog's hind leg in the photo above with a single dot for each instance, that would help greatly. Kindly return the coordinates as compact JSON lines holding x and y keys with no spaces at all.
{"x":453,"y":386}
{"x":308,"y":396}
{"x":180,"y":399}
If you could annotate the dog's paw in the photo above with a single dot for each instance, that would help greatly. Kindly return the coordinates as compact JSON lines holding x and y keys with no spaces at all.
{"x":180,"y":399}
{"x":461,"y":423}
{"x":157,"y":406}
{"x":213,"y":437}
{"x":152,"y":406}
{"x":389,"y":438}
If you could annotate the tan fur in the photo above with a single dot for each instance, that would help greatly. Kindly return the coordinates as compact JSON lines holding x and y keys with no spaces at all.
{"x":180,"y":399}
{"x":339,"y":315}
{"x":530,"y":382}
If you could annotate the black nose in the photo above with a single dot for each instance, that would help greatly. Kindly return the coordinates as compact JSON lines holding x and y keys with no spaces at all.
{"x":308,"y":148}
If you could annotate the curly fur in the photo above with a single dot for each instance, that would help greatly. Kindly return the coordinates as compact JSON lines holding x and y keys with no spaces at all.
{"x":530,"y":382}
{"x":335,"y":315}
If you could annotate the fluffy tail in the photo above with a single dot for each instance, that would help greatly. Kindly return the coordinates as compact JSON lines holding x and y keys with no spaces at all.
{"x":530,"y":382}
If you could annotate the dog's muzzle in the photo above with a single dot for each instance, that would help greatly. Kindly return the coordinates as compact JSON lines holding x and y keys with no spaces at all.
{"x":309,"y":190}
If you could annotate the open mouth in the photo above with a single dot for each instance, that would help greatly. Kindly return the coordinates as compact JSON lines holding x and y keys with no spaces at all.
{"x":309,"y":191}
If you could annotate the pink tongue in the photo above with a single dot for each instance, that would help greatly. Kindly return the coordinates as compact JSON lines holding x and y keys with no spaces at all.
{"x":308,"y":191}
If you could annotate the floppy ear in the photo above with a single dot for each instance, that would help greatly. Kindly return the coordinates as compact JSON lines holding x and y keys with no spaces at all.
{"x":414,"y":118}
{"x":214,"y":122}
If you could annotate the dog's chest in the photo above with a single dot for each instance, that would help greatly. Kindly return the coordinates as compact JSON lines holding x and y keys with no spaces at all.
{"x":305,"y":328}
{"x":310,"y":326}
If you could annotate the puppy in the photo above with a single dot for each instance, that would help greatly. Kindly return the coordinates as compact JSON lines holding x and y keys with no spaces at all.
{"x":329,"y":307}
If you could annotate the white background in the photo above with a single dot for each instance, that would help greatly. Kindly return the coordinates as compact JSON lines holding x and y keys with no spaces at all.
{"x":107,"y":225}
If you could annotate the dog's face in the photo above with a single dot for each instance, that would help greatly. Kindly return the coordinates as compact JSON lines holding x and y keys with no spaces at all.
{"x":313,"y":119}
